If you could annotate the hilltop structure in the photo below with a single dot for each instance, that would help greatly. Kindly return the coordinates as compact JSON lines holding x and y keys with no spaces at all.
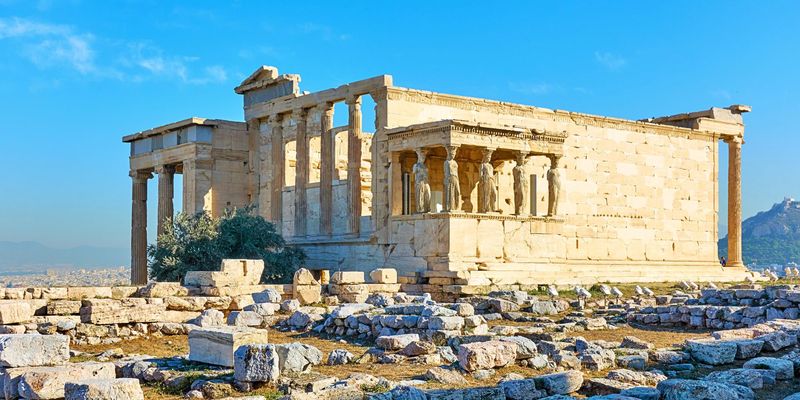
{"x":456,"y":191}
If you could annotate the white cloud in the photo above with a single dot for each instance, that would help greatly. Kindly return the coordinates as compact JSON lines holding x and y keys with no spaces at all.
{"x":53,"y":46}
{"x":610,"y":60}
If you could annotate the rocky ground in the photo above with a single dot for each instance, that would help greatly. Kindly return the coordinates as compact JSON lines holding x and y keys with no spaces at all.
{"x":677,"y":341}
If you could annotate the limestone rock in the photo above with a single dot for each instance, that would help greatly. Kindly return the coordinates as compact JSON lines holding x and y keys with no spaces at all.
{"x":14,"y":312}
{"x":748,"y":348}
{"x":304,"y":277}
{"x":686,"y":389}
{"x":307,"y":294}
{"x":22,"y":350}
{"x":777,"y":340}
{"x":163,"y":289}
{"x":267,"y":296}
{"x":245,"y":318}
{"x":632,"y":342}
{"x":210,"y":317}
{"x":418,"y":348}
{"x":526,"y":348}
{"x":486,"y":355}
{"x":522,"y":389}
{"x":641,"y":393}
{"x":256,"y":363}
{"x":784,"y":369}
{"x":383,"y":275}
{"x":216,"y":345}
{"x":713,"y":352}
{"x":264,"y":309}
{"x":340,"y":357}
{"x":104,"y":389}
{"x":560,"y":383}
{"x":347,"y":277}
{"x":62,"y":307}
{"x":297,"y":357}
{"x":447,"y":376}
{"x":738,"y":376}
{"x":395,"y":342}
{"x":48,"y":382}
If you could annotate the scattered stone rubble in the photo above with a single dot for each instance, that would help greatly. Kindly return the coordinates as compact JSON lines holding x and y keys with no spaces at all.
{"x":227,"y":325}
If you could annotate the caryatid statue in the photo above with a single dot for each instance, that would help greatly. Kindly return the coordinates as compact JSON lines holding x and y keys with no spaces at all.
{"x":452,"y":189}
{"x":421,"y":184}
{"x":554,"y":186}
{"x":521,"y":185}
{"x":488,"y":186}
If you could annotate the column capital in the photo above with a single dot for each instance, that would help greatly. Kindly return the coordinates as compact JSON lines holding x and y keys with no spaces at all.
{"x":353,"y":100}
{"x":299,"y":112}
{"x":140,"y":176}
{"x":165,"y":169}
{"x":275,"y":119}
{"x":735,"y":140}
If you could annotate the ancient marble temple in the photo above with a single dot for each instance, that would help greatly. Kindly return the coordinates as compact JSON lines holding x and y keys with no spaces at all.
{"x":453,"y":190}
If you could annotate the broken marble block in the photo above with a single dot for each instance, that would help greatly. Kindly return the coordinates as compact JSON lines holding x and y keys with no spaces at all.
{"x":383,"y":275}
{"x":486,"y":355}
{"x":104,"y":389}
{"x":22,"y":350}
{"x":297,"y":357}
{"x":233,"y":272}
{"x":256,"y":363}
{"x":48,"y":382}
{"x":347,"y":277}
{"x":216,"y":345}
{"x":14,"y":312}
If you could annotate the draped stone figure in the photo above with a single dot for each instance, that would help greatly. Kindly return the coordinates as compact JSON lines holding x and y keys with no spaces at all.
{"x":421,"y":184}
{"x":452,"y":188}
{"x":554,"y":186}
{"x":488,"y":186}
{"x":521,"y":186}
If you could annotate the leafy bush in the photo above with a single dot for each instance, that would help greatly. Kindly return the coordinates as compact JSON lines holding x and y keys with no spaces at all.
{"x":199,"y":242}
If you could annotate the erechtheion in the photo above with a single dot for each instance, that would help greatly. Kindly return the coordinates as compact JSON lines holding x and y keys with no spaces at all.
{"x":453,"y":190}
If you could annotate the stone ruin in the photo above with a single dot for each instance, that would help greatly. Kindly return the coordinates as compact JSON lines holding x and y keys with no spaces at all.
{"x":228,"y":319}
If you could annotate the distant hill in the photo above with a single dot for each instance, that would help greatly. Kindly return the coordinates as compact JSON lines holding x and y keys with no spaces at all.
{"x":28,"y":257}
{"x":770,"y":237}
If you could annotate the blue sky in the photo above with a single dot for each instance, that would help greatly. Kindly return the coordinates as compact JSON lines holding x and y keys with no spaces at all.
{"x":76,"y":76}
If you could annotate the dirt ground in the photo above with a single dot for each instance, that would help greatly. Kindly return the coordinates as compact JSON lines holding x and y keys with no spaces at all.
{"x":167,"y":346}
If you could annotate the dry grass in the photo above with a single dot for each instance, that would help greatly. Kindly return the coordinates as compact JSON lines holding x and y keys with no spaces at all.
{"x":156,"y":346}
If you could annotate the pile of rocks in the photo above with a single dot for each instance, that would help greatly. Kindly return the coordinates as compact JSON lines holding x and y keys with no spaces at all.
{"x":724,"y":308}
{"x":38,"y":367}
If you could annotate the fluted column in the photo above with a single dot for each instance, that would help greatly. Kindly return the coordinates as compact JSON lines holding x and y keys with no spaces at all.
{"x":139,"y":227}
{"x":166,"y":192}
{"x":301,"y":173}
{"x":735,"y":202}
{"x":354,"y":164}
{"x":278,"y":174}
{"x":326,"y":171}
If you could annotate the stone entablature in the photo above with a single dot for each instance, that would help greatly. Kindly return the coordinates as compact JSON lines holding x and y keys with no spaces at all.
{"x":504,"y":193}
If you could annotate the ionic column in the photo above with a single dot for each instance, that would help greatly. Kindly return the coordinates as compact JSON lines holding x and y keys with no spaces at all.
{"x":354,"y":164}
{"x":735,"y":202}
{"x":553,"y":185}
{"x":278,"y":174}
{"x":139,"y":227}
{"x":326,"y":171}
{"x":301,"y":173}
{"x":166,"y":192}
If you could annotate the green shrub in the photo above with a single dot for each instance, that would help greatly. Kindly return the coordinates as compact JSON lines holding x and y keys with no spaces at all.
{"x":199,"y":242}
